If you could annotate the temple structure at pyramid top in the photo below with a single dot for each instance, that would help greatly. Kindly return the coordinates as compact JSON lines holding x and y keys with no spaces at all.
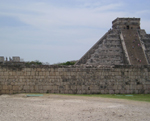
{"x":126,"y":23}
{"x":125,"y":44}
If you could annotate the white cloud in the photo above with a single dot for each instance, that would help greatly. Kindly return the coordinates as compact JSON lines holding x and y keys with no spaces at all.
{"x":59,"y":31}
{"x":52,"y":16}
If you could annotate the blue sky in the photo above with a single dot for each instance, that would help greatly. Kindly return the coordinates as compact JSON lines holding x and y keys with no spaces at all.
{"x":61,"y":30}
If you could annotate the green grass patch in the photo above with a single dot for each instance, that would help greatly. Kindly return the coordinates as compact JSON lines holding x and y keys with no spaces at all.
{"x":136,"y":97}
{"x":34,"y":95}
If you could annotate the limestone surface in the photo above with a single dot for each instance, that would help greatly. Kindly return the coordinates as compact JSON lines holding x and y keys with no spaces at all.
{"x":125,"y":44}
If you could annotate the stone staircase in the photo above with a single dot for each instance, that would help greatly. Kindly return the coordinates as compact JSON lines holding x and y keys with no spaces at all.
{"x":134,"y":47}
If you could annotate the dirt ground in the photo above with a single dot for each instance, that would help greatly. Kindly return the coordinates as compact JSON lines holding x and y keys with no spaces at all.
{"x":71,"y":108}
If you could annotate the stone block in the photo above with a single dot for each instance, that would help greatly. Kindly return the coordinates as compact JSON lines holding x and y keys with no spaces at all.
{"x":127,"y":91}
{"x":102,"y":91}
{"x":1,"y":69}
{"x":40,"y":73}
{"x":117,"y":91}
{"x":5,"y":73}
{"x":66,"y":91}
{"x":41,"y":91}
{"x":79,"y":87}
{"x":148,"y":86}
{"x":78,"y":92}
{"x":147,"y":92}
{"x":7,"y":91}
{"x":31,"y":88}
{"x":10,"y":87}
{"x":10,"y":91}
{"x":28,"y":73}
{"x":15,"y":88}
{"x":57,"y":73}
{"x":84,"y":87}
{"x":47,"y":87}
{"x":60,"y":69}
{"x":127,"y":87}
{"x":111,"y":91}
{"x":52,"y":73}
{"x":73,"y":73}
{"x":14,"y":73}
{"x":133,"y":82}
{"x":134,"y":86}
{"x":42,"y":77}
{"x":21,"y":87}
{"x":119,"y":87}
{"x":47,"y":73}
{"x":73,"y":87}
{"x":37,"y":73}
{"x":130,"y":86}
{"x":139,"y":87}
{"x":106,"y":91}
{"x":43,"y":73}
{"x":115,"y":87}
{"x":43,"y":69}
{"x":1,"y":73}
{"x":21,"y":77}
{"x":28,"y":69}
{"x":97,"y":91}
{"x":5,"y":87}
{"x":26,"y":87}
{"x":68,"y":73}
{"x":3,"y":91}
{"x":67,"y":87}
{"x":55,"y":87}
{"x":33,"y":91}
{"x":38,"y":69}
{"x":83,"y":92}
{"x":122,"y":91}
{"x":52,"y":69}
{"x":32,"y":73}
{"x":136,"y":91}
{"x":36,"y":87}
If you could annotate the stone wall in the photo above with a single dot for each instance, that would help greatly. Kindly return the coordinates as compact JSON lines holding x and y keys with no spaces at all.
{"x":75,"y":79}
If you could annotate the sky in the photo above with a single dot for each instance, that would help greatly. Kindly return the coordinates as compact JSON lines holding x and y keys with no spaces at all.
{"x":56,"y":31}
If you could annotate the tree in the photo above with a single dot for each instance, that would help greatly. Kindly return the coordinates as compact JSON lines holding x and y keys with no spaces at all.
{"x":34,"y":63}
{"x":67,"y":63}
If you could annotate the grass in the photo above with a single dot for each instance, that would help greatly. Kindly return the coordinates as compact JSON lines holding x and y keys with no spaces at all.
{"x":136,"y":97}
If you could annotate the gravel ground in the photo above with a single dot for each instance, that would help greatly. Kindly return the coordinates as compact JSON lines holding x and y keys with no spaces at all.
{"x":71,"y":108}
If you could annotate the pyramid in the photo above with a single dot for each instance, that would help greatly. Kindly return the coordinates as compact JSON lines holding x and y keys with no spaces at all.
{"x":125,"y":44}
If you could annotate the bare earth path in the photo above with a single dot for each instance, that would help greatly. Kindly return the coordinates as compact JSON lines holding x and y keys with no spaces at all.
{"x":71,"y":108}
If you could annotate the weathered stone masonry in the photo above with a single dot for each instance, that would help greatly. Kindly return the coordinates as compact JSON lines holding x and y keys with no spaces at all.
{"x":75,"y":79}
{"x":124,"y":44}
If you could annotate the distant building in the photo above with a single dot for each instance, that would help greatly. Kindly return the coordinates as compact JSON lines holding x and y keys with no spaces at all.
{"x":1,"y":58}
{"x":16,"y":59}
{"x":124,"y":44}
{"x":13,"y":59}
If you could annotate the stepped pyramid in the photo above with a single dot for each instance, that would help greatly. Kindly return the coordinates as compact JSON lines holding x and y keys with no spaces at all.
{"x":125,"y":44}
